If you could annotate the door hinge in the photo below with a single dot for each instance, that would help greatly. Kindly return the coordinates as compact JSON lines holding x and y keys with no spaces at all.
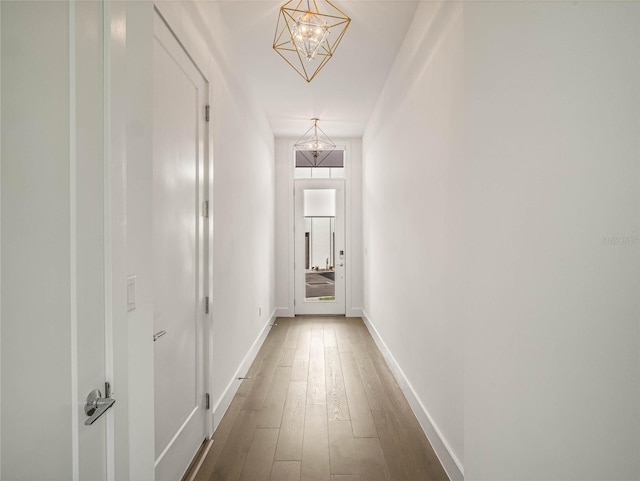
{"x":206,"y":305}
{"x":206,"y":209}
{"x":207,"y":113}
{"x":207,"y":401}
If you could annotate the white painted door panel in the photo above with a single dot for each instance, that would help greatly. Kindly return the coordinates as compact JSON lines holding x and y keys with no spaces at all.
{"x":53,"y":238}
{"x":322,"y":304}
{"x":180,"y":94}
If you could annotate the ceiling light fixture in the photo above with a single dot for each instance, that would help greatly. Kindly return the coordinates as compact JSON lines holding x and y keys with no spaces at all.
{"x":307,"y":34}
{"x":316,"y":143}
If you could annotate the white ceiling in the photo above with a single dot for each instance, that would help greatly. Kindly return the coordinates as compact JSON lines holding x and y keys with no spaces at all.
{"x":345,"y":91}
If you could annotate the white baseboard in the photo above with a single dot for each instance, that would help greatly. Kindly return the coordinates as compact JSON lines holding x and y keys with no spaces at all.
{"x":284,"y":312}
{"x":222,"y":404}
{"x":448,"y":459}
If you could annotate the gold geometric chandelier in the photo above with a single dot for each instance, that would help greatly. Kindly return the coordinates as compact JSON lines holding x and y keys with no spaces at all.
{"x":316,"y":143}
{"x":308,"y":33}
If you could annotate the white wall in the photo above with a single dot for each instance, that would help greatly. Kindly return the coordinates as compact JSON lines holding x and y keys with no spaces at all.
{"x":500,"y":168}
{"x":284,"y":225}
{"x":411,"y":160}
{"x":552,"y":100}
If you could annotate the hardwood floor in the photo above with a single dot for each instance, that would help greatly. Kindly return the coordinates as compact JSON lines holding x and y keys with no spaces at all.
{"x":320,"y":405}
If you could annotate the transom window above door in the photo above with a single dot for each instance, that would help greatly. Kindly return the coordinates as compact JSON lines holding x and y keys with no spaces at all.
{"x":331,"y":165}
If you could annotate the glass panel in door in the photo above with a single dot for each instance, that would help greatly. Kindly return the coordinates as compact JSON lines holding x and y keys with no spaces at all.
{"x":319,"y":247}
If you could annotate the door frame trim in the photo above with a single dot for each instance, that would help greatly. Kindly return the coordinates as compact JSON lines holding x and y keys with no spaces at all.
{"x":203,"y":251}
{"x":350,"y":311}
{"x":191,"y":39}
{"x":116,"y":335}
{"x":132,"y":359}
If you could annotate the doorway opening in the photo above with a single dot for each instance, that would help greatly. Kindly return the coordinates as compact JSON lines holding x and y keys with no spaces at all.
{"x":320,"y":268}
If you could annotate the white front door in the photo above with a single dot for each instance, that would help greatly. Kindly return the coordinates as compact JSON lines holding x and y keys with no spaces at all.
{"x":320,"y":257}
{"x":54,"y":274}
{"x":179,"y":100}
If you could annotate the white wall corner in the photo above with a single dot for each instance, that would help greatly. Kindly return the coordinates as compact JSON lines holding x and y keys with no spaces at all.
{"x":448,"y":459}
{"x":222,"y":403}
{"x":355,"y":312}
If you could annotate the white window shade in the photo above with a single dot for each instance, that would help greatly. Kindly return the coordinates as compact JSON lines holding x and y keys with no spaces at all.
{"x":320,"y":203}
{"x":329,"y":159}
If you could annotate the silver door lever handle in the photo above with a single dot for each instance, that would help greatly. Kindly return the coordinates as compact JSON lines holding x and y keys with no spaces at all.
{"x":96,"y":405}
{"x":158,"y":335}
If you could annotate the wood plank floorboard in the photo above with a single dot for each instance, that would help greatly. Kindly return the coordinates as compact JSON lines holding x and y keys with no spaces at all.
{"x":394,"y":400}
{"x":373,"y":388}
{"x":259,"y":461}
{"x":235,"y":449}
{"x":321,"y":404}
{"x":343,"y":337}
{"x":300,"y":370}
{"x":220,"y":439}
{"x":361,"y":418}
{"x":330,"y":336}
{"x":285,"y":471}
{"x":271,"y":413}
{"x":292,"y":426}
{"x":423,"y":455}
{"x":304,"y":342}
{"x":342,"y":449}
{"x":286,"y":356}
{"x":390,"y":444}
{"x":337,"y":405}
{"x":316,"y":383}
{"x":315,"y":448}
{"x":260,"y":383}
{"x":371,"y":461}
{"x":244,"y":387}
{"x":291,"y":339}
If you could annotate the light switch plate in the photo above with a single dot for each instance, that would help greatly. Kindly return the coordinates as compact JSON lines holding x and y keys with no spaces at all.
{"x":131,"y":293}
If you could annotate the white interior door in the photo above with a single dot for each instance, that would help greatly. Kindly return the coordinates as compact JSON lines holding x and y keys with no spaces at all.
{"x":180,"y":96}
{"x":320,"y":257}
{"x":53,"y":241}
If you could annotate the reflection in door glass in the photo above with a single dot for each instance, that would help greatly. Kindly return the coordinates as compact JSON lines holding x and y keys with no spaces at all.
{"x":320,"y":258}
